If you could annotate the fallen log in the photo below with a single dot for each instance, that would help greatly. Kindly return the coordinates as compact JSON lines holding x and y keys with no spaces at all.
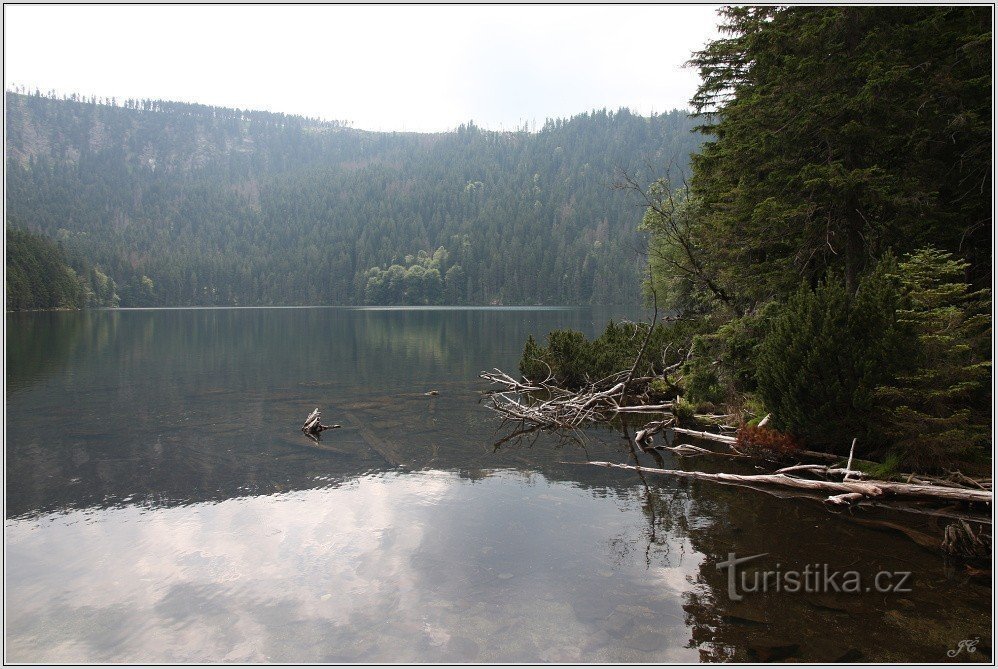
{"x":311,"y":417}
{"x":644,"y":408}
{"x":837,"y":488}
{"x":725,"y":439}
{"x":709,"y":436}
{"x":846,"y":498}
{"x":687,"y":450}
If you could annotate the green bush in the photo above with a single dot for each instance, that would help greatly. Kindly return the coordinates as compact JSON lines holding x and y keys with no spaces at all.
{"x":737,"y":346}
{"x":573,"y":357}
{"x":575,"y":360}
{"x":658,"y":389}
{"x":684,"y":411}
{"x":532,"y":363}
{"x":700,"y":378}
{"x":881,"y":470}
{"x":826,"y":353}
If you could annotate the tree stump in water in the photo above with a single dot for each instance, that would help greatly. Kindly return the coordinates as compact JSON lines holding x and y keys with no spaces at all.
{"x":961,"y":541}
{"x":313,"y":428}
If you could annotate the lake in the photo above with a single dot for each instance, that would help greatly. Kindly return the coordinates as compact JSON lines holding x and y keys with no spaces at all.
{"x":162,"y":505}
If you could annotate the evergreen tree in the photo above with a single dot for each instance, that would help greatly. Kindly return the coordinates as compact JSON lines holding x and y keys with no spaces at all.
{"x":938,"y":410}
{"x":839,"y":133}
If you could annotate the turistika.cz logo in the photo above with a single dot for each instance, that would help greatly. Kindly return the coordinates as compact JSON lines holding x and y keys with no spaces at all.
{"x":814,"y":578}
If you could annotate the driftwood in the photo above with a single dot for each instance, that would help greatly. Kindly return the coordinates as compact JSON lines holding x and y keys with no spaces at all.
{"x":643,"y":437}
{"x":823,"y":470}
{"x":960,"y":539}
{"x":731,"y":441}
{"x":708,"y":436}
{"x":313,"y":428}
{"x":687,"y":450}
{"x":865,"y":489}
{"x":545,"y":404}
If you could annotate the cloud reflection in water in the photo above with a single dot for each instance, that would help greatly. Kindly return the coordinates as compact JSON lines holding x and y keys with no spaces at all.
{"x":424,"y":566}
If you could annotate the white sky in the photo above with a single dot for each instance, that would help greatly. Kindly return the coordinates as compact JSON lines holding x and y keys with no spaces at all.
{"x":382,"y":68}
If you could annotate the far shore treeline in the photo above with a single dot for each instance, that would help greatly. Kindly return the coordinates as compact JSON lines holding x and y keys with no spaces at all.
{"x":830,"y":259}
{"x":180,"y":204}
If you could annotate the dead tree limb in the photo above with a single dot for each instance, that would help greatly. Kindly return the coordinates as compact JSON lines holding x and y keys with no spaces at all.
{"x":864,"y":488}
{"x":688,"y":450}
{"x":644,"y":344}
{"x":643,"y":437}
{"x":709,"y":436}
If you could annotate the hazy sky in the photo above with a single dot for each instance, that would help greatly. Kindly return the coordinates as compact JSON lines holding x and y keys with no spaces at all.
{"x":390,"y":68}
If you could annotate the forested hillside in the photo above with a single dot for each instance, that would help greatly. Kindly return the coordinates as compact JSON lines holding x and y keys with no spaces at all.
{"x":186,"y":204}
{"x":40,"y":275}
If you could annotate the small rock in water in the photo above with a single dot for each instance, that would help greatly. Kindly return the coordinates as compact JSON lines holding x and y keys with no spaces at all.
{"x":618,"y":623}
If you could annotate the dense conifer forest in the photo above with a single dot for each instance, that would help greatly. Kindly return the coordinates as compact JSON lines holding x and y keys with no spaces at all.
{"x":184,"y":204}
{"x":829,"y":262}
{"x":41,"y":275}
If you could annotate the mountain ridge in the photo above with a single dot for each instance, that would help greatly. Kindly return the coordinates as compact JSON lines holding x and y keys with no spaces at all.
{"x":216,"y":206}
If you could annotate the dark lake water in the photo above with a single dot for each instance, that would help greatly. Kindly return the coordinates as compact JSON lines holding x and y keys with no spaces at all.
{"x":163,"y":506}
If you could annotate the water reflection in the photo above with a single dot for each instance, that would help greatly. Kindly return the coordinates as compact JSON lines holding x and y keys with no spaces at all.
{"x":181,"y":406}
{"x":395,"y":567}
{"x":163,"y":506}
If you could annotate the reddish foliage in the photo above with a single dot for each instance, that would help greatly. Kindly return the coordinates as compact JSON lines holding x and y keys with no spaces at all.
{"x":766,"y":441}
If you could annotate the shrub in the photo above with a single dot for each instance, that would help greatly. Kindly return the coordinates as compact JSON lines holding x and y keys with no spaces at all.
{"x":571,"y":354}
{"x":753,"y":410}
{"x":658,"y":389}
{"x":575,"y":360}
{"x":700,"y":377}
{"x":738,"y":344}
{"x":532,"y":363}
{"x":826,"y":353}
{"x":881,"y":470}
{"x":684,"y":411}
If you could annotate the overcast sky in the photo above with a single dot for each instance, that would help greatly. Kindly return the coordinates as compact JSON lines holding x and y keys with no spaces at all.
{"x":381,"y":68}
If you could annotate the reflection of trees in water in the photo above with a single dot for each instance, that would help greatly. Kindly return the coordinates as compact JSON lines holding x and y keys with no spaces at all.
{"x":717,"y":520}
{"x":178,"y":406}
{"x":43,"y":343}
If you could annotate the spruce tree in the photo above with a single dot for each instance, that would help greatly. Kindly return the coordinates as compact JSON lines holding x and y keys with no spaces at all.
{"x":937,"y":412}
{"x":840,"y":133}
